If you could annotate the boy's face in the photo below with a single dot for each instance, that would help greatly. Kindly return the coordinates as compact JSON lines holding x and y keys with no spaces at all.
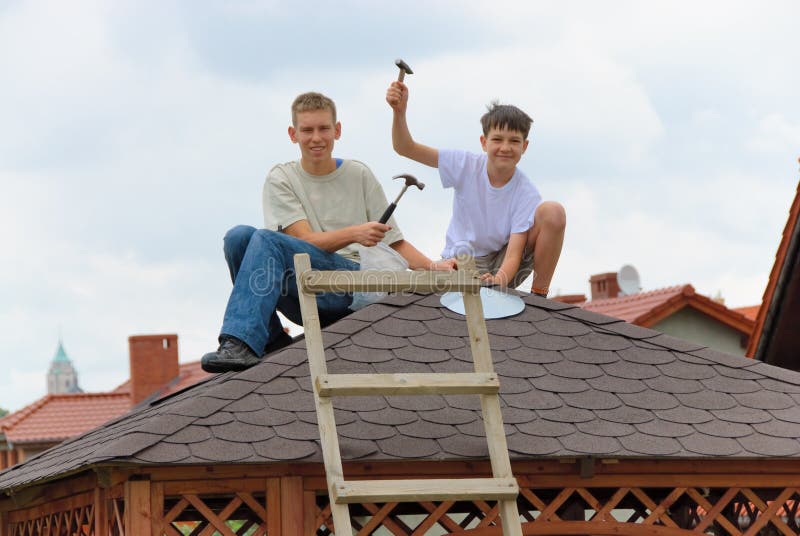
{"x":315,"y":132}
{"x":504,"y":148}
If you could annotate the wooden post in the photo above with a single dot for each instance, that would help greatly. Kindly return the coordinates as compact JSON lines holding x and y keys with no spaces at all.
{"x":4,"y":531}
{"x":157,"y":507}
{"x":292,"y":521}
{"x":100,"y":511}
{"x":274,"y":510}
{"x":138,"y":514}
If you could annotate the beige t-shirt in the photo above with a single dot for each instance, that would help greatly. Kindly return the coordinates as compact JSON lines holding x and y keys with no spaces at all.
{"x":351,"y":195}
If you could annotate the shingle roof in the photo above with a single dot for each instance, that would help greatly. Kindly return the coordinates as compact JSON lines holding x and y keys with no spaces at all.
{"x":573,"y":382}
{"x":649,"y":308}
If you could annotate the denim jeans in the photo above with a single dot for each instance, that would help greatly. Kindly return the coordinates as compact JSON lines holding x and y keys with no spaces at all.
{"x":261,"y":264}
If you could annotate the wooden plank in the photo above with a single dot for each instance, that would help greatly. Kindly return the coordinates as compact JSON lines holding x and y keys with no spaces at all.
{"x":407,"y":384}
{"x":491,"y":489}
{"x":138,"y":515}
{"x":387,"y":281}
{"x":317,"y":366}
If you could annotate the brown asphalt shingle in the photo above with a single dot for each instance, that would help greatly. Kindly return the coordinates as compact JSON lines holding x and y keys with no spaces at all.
{"x":573,"y":383}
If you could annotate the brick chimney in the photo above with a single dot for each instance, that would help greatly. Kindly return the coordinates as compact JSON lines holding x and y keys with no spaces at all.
{"x":604,"y":286}
{"x":153,"y":361}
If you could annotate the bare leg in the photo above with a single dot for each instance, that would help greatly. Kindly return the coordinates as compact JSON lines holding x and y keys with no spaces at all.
{"x":546,"y":238}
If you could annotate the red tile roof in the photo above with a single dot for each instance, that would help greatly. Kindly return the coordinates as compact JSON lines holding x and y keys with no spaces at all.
{"x":54,"y":418}
{"x":631,"y":308}
{"x":648,"y":308}
{"x":58,"y":417}
{"x":750,"y":311}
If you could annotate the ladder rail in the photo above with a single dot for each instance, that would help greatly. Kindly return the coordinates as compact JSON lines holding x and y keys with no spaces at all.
{"x":329,"y":439}
{"x":483,"y":382}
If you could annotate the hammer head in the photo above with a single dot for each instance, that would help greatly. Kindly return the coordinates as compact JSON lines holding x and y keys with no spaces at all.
{"x":411,"y":180}
{"x":404,"y":69}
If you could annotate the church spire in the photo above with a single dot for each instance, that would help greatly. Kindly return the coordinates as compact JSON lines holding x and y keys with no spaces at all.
{"x":62,"y":376}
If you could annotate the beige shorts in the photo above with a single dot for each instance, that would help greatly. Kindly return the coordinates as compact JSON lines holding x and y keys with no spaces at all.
{"x":492,"y":262}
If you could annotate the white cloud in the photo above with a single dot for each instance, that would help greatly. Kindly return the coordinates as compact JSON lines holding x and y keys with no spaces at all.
{"x":669,"y":132}
{"x":776,"y":135}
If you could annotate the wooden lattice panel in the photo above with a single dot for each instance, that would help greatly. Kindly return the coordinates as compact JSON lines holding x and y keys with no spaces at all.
{"x":239,"y":514}
{"x":78,"y":521}
{"x":688,"y":511}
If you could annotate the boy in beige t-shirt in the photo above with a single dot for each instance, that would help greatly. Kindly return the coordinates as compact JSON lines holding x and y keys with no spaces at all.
{"x":318,"y":205}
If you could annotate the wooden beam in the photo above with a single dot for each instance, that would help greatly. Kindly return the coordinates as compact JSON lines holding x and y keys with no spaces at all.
{"x":463,"y":383}
{"x":138,"y":513}
{"x":380,"y":491}
{"x":389,"y":281}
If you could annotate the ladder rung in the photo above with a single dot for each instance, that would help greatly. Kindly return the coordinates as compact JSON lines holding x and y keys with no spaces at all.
{"x":366,"y":491}
{"x":389,"y":281}
{"x":463,"y":383}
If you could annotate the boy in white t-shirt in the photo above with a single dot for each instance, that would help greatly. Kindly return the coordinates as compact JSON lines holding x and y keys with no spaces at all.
{"x":498,"y":215}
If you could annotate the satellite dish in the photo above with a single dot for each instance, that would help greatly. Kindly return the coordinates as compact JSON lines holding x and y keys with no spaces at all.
{"x":496,"y":304}
{"x":628,"y":280}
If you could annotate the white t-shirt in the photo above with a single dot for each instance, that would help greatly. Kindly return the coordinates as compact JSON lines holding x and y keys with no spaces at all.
{"x":483,"y":216}
{"x":351,"y":195}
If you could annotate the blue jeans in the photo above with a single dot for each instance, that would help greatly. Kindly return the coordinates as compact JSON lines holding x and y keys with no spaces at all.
{"x":261,"y":263}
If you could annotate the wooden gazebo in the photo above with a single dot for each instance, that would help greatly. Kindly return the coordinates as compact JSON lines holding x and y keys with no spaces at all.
{"x":612,"y":429}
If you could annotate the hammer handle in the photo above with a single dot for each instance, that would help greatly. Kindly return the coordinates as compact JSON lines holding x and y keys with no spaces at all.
{"x":387,"y":213}
{"x":401,"y":76}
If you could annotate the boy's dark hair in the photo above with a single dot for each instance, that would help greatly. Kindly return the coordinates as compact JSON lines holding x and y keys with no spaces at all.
{"x":506,"y":116}
{"x":311,"y":102}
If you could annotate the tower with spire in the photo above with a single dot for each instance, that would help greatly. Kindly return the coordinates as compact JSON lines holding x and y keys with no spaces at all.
{"x":62,"y":376}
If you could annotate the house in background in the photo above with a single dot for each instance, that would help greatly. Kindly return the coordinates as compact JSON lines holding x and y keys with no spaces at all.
{"x":56,"y":417}
{"x":678,"y":311}
{"x":776,"y":339}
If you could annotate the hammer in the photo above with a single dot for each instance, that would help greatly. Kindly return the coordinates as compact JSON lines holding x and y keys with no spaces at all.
{"x":410,"y":180}
{"x":404,"y":69}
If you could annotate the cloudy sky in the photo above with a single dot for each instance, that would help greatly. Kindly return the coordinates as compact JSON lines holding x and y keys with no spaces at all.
{"x":134,"y":133}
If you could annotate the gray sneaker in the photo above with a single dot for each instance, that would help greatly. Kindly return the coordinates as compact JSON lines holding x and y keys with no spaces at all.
{"x":232,"y":354}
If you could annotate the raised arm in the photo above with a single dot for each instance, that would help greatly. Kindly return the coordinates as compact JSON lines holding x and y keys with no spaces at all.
{"x":403,"y":143}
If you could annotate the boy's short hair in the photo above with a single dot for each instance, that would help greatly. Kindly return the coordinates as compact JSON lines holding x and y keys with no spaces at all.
{"x":311,"y":102}
{"x":506,"y":116}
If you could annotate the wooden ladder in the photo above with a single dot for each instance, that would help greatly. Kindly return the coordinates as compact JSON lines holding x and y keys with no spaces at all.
{"x":501,"y":487}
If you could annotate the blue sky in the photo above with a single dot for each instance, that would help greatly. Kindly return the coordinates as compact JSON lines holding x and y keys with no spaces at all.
{"x":135,"y":133}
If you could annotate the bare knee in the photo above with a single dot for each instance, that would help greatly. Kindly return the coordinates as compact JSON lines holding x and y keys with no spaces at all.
{"x":551,"y":215}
